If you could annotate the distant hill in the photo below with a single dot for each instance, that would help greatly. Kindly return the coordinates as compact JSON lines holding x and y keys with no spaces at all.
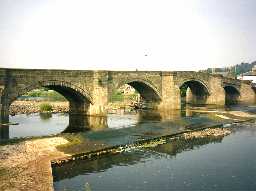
{"x":233,"y":70}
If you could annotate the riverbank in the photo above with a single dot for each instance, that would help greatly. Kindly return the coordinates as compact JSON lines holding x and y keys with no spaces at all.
{"x":26,"y":165}
{"x":29,"y":107}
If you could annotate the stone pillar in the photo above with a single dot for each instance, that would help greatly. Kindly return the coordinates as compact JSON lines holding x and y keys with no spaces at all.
{"x":217,"y":92}
{"x":189,"y":96}
{"x":99,"y":94}
{"x":170,"y":93}
{"x":1,"y":93}
{"x":4,"y":107}
{"x":247,"y":94}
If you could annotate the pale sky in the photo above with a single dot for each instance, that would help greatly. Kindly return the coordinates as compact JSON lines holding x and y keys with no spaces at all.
{"x":127,"y":34}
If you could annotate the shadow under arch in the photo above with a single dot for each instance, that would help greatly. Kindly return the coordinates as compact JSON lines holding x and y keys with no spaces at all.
{"x":232,"y":95}
{"x":147,"y":91}
{"x":194,"y":91}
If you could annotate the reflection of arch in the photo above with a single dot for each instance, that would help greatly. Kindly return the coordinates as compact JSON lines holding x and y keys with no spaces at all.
{"x":70,"y":91}
{"x":146,"y":90}
{"x":232,"y":95}
{"x":194,"y":91}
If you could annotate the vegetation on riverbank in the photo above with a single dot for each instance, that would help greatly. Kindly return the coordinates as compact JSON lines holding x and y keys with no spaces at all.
{"x":44,"y":94}
{"x":45,"y":107}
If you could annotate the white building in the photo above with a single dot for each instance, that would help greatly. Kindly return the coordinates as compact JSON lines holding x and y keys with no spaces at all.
{"x":249,"y":75}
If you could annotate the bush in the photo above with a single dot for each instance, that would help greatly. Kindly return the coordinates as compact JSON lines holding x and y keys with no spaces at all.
{"x":117,"y":96}
{"x":45,"y":107}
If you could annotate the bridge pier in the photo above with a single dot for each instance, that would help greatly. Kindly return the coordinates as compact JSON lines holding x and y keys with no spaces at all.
{"x":100,"y":94}
{"x":171,"y":99}
{"x":247,"y":94}
{"x":4,"y":109}
{"x":189,"y":96}
{"x":217,"y":92}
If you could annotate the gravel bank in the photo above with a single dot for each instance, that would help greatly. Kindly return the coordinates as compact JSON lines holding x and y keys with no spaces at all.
{"x":27,"y":107}
{"x":26,"y":165}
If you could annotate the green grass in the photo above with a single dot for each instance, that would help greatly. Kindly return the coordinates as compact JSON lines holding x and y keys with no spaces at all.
{"x":49,"y":95}
{"x":117,"y":96}
{"x":45,"y":107}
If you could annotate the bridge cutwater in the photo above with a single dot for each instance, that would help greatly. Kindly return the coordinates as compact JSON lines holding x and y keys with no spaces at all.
{"x":89,"y":92}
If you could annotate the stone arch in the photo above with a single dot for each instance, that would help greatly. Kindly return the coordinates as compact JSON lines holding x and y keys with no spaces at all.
{"x":146,"y":90}
{"x":79,"y":98}
{"x":68,"y":90}
{"x":232,"y":95}
{"x":194,"y":91}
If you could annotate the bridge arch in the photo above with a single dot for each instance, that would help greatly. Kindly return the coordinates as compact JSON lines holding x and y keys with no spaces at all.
{"x":151,"y":97}
{"x":232,"y":95}
{"x":146,"y":90}
{"x":194,"y":91}
{"x":79,"y":98}
{"x":67,"y":89}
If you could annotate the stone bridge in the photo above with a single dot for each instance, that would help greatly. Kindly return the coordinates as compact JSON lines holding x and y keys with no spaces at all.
{"x":89,"y":92}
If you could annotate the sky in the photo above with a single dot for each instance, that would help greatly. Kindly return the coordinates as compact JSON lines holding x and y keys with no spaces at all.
{"x":127,"y":34}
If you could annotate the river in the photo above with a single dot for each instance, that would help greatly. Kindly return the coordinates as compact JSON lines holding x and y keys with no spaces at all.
{"x":44,"y":124}
{"x":211,"y":163}
{"x":201,"y":164}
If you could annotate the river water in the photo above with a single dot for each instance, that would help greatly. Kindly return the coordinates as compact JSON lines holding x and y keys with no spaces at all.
{"x":43,"y":124}
{"x":201,"y":164}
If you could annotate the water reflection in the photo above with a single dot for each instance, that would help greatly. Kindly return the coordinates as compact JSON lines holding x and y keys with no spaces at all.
{"x":4,"y":132}
{"x":48,"y":123}
{"x":45,"y":116}
{"x":172,"y":148}
{"x":80,"y":123}
{"x":226,"y":166}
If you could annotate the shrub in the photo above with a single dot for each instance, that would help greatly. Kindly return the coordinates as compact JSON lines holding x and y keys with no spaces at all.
{"x":117,"y":96}
{"x":45,"y":107}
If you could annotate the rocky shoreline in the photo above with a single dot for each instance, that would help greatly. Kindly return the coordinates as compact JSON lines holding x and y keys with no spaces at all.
{"x":29,"y":107}
{"x":216,"y":132}
{"x":26,"y":165}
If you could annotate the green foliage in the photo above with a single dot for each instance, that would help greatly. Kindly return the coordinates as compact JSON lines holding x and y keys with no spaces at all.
{"x":45,"y":107}
{"x":117,"y":96}
{"x":55,"y":96}
{"x":132,"y":97}
{"x":235,"y":70}
{"x":34,"y":93}
{"x":183,"y":90}
{"x":49,"y":95}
